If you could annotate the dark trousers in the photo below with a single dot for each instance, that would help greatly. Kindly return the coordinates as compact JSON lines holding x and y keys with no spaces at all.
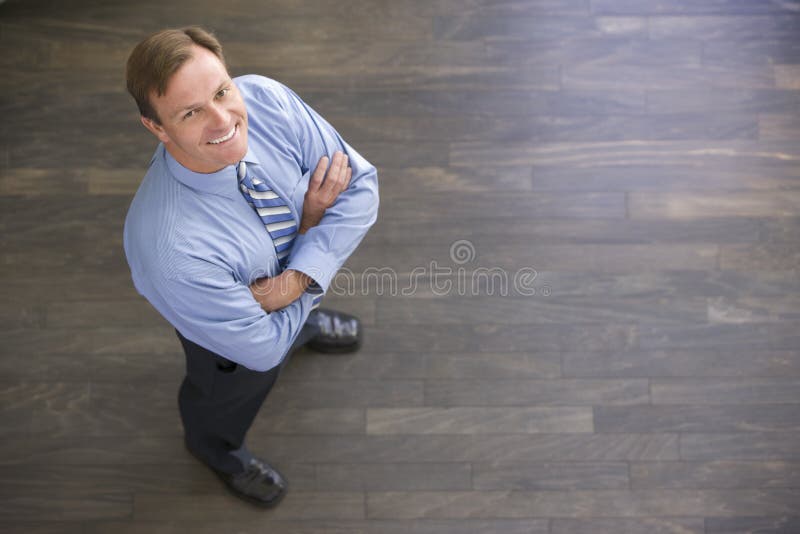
{"x":219,"y":400}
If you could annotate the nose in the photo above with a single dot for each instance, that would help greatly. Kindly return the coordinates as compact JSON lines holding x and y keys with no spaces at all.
{"x":219,"y":116}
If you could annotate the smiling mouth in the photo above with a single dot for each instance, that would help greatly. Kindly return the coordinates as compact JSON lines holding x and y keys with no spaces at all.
{"x":225,"y":137}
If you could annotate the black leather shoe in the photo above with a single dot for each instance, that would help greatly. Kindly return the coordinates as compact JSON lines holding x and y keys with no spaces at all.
{"x":259,"y":484}
{"x":338,"y":332}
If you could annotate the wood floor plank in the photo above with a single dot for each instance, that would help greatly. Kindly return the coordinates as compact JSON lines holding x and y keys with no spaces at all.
{"x":252,"y":524}
{"x":86,"y":481}
{"x":633,"y":152}
{"x":309,"y":421}
{"x":668,"y":282}
{"x":582,"y":503}
{"x":494,"y":338}
{"x":549,"y":392}
{"x":687,"y":7}
{"x":154,"y":340}
{"x":647,"y":525}
{"x":347,"y":393}
{"x":751,"y":525}
{"x":667,"y":177}
{"x":774,"y":51}
{"x":720,"y":27}
{"x":484,"y":102}
{"x":688,"y":363}
{"x":719,"y":287}
{"x":787,"y":76}
{"x":410,"y":181}
{"x":767,"y":101}
{"x":676,"y":76}
{"x":288,"y":526}
{"x":751,"y":257}
{"x":468,"y":26}
{"x":470,"y":526}
{"x":478,"y":420}
{"x":90,"y":409}
{"x":221,"y":506}
{"x":466,"y":365}
{"x":612,"y":258}
{"x":753,"y":309}
{"x":46,"y":527}
{"x":515,"y":309}
{"x":697,"y":418}
{"x":66,"y":508}
{"x":95,"y":367}
{"x":752,"y":52}
{"x":541,"y":477}
{"x":539,"y":129}
{"x":700,"y":205}
{"x":71,"y":288}
{"x":492,"y":7}
{"x":754,"y":336}
{"x":778,"y":127}
{"x":784,"y":335}
{"x":716,"y":474}
{"x":638,"y":54}
{"x":394,"y":477}
{"x":728,"y":391}
{"x":486,"y":448}
{"x":397,"y":366}
{"x":307,"y":365}
{"x":580,"y":205}
{"x":740,"y":446}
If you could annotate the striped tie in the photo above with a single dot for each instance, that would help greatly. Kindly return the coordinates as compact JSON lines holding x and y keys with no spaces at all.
{"x":277,"y":219}
{"x":274,"y":213}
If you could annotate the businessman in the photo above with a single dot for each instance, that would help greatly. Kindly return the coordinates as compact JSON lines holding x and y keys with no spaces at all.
{"x":251,"y":204}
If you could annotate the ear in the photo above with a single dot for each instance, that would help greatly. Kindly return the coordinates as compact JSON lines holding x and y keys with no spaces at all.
{"x":155,"y":128}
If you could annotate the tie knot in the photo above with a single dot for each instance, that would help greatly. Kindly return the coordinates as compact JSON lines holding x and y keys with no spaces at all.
{"x":241,"y":170}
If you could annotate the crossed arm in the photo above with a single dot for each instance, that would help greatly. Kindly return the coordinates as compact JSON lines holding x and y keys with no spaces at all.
{"x":324,"y":188}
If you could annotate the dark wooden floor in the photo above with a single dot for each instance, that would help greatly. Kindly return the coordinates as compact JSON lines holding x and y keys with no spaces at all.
{"x":620,"y":177}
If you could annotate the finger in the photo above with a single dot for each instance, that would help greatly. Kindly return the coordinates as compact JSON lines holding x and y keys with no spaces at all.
{"x":332,"y":177}
{"x":349,"y":175}
{"x":319,"y":173}
{"x":340,"y":179}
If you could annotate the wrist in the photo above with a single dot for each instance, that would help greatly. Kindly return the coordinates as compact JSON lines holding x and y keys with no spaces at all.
{"x":298,"y":280}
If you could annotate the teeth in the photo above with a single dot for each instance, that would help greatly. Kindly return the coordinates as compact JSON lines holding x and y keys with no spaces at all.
{"x":225,"y":137}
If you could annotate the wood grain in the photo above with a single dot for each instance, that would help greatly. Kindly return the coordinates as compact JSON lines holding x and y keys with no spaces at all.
{"x":639,"y":157}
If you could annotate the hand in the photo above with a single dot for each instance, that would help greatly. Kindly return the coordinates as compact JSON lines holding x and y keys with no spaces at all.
{"x":280,"y":291}
{"x":321,"y":193}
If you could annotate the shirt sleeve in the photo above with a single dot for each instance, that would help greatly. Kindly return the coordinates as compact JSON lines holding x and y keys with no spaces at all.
{"x":322,"y":250}
{"x":208,"y":306}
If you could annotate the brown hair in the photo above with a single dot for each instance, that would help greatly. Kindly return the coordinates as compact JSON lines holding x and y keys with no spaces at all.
{"x":154,"y":60}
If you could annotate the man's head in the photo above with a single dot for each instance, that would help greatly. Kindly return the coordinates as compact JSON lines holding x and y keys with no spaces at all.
{"x":187,"y":99}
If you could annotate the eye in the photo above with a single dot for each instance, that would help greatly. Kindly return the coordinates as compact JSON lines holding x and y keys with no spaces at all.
{"x":223,"y":92}
{"x":190,"y":114}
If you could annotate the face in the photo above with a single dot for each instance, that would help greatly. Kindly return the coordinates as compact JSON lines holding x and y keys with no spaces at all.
{"x":203,"y":117}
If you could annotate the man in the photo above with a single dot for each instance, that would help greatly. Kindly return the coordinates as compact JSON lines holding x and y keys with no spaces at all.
{"x":251,"y":204}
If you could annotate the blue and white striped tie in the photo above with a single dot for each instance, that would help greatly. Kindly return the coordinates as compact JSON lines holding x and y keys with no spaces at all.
{"x":276,"y":216}
{"x":274,"y":212}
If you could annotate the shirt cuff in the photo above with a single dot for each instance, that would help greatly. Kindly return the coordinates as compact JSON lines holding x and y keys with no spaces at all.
{"x":313,"y":262}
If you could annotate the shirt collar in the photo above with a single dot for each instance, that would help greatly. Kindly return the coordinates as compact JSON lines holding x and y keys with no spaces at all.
{"x":224,"y":182}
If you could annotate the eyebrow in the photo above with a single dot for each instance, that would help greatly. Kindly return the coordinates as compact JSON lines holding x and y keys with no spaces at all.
{"x":192,"y":106}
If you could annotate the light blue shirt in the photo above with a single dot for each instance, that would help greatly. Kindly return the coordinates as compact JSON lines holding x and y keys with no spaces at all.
{"x":194,"y":244}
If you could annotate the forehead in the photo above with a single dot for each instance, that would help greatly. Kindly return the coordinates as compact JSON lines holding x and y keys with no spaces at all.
{"x":197,"y":80}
